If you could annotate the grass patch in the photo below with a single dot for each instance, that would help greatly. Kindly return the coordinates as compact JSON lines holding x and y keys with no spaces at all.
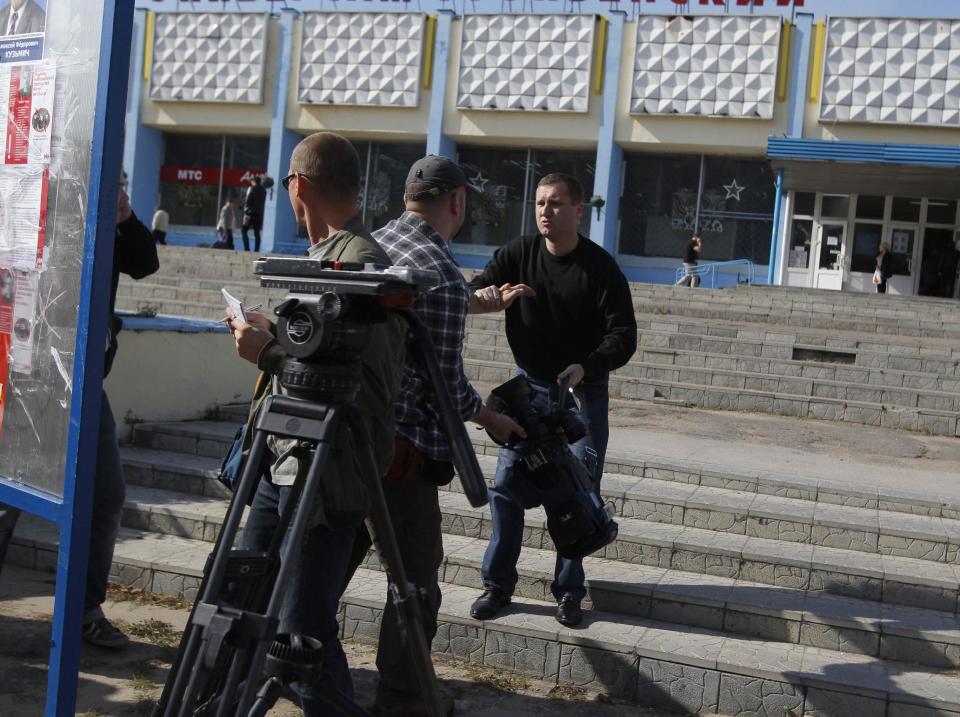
{"x":142,"y":684}
{"x":122,"y":593}
{"x":568,"y":692}
{"x":498,"y":679}
{"x":156,"y":632}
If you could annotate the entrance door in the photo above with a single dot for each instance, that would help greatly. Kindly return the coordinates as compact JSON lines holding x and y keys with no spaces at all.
{"x":830,"y":256}
{"x":938,"y":265}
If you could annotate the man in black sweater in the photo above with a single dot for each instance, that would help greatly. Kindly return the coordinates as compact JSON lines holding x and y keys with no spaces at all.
{"x":569,"y":314}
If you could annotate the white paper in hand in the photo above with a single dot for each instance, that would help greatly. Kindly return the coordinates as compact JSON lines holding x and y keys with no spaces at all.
{"x":235,"y":305}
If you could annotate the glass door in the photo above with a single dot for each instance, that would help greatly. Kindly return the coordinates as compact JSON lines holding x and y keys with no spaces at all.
{"x":831,"y":238}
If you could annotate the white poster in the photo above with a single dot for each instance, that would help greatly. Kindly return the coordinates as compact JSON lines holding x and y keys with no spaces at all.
{"x":23,"y":215}
{"x":24,"y":321}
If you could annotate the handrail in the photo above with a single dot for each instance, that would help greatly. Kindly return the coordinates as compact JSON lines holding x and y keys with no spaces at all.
{"x":707,"y":273}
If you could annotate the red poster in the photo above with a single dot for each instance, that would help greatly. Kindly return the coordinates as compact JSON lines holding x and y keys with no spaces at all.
{"x":19,"y":104}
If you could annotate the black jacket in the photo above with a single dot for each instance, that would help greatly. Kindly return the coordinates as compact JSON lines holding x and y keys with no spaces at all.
{"x":134,"y":254}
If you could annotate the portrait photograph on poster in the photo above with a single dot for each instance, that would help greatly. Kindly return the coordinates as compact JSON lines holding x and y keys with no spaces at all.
{"x":22,"y":25}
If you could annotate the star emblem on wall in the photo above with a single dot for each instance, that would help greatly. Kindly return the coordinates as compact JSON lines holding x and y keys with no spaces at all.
{"x":733,"y":190}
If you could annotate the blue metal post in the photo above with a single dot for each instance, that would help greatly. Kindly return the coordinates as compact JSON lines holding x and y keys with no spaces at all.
{"x":143,"y":145}
{"x":279,"y":225}
{"x":777,"y":204}
{"x":609,"y":165}
{"x":81,"y":454}
{"x":799,"y":70}
{"x":437,"y":141}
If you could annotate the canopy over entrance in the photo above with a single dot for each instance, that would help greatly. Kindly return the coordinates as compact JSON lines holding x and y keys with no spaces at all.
{"x":811,"y":165}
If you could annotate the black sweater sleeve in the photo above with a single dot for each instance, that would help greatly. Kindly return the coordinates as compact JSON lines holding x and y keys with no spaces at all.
{"x":620,"y":323}
{"x":135,"y":251}
{"x":502,"y":268}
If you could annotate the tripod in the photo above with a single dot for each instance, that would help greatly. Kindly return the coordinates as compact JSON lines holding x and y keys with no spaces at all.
{"x":227,"y":648}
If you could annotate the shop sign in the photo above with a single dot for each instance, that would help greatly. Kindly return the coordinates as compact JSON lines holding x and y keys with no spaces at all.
{"x":208,"y":175}
{"x":203,"y":4}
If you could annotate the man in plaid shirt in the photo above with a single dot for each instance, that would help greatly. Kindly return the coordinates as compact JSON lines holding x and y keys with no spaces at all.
{"x":435,"y":202}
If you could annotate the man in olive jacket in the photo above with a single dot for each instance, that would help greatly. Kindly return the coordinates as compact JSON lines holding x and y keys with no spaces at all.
{"x":323,"y":183}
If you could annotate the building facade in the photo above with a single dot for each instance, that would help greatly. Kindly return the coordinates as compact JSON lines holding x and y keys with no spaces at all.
{"x":796,"y":134}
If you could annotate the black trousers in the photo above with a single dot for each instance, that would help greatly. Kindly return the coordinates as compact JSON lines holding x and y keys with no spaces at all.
{"x":415,"y":511}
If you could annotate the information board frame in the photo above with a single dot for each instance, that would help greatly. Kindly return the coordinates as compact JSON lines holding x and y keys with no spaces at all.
{"x":72,"y":512}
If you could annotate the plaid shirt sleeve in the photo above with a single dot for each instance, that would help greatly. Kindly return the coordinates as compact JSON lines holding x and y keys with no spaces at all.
{"x":444,"y":312}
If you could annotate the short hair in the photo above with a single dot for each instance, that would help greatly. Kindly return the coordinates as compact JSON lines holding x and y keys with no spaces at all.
{"x":331,"y":163}
{"x":574,"y":188}
{"x":256,"y":179}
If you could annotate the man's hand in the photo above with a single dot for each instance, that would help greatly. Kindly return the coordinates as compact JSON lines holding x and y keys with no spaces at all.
{"x":249,"y":339}
{"x":502,"y":428}
{"x":255,"y":318}
{"x":492,"y":298}
{"x":574,"y":371}
{"x":124,"y":211}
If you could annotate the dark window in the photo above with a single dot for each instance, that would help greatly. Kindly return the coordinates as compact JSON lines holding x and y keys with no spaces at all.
{"x":835,"y":205}
{"x":870,"y":207}
{"x":804,"y":203}
{"x":382,"y":198}
{"x":659,"y":204}
{"x":942,"y":211}
{"x":495,"y":214}
{"x":905,"y":210}
{"x":866,"y":246}
{"x":736,"y":209}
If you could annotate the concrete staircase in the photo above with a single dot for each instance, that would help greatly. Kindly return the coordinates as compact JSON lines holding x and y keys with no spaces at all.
{"x":873,"y":360}
{"x":727,"y":592}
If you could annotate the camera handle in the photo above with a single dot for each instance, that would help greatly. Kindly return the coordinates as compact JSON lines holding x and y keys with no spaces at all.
{"x":224,"y":648}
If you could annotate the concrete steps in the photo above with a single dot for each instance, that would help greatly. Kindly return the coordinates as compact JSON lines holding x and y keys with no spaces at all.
{"x":692,"y":608}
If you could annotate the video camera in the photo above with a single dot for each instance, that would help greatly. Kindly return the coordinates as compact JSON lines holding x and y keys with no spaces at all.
{"x":579,"y":523}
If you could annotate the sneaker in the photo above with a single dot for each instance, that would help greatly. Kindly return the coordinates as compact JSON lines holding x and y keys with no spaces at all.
{"x":102,"y":633}
{"x":489,"y":604}
{"x":568,"y":611}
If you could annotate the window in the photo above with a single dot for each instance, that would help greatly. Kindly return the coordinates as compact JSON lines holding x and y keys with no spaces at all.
{"x":942,"y":211}
{"x":804,"y":203}
{"x":658,"y":208}
{"x":866,"y":246}
{"x":382,"y":195}
{"x":736,"y":209}
{"x":200,"y":172}
{"x":905,"y":210}
{"x":801,"y":234}
{"x":495,"y":214}
{"x":870,"y":207}
{"x":835,"y":205}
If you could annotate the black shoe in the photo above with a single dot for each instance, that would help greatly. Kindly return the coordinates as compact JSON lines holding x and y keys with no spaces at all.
{"x":489,"y":604}
{"x":568,"y":611}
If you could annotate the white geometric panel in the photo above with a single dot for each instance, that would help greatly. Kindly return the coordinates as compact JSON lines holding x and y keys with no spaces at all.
{"x":706,"y":65}
{"x":209,"y":57}
{"x":525,"y":62}
{"x":364,"y":58}
{"x":892,"y":70}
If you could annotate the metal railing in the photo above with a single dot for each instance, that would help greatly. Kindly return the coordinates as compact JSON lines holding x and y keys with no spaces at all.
{"x":708,"y":275}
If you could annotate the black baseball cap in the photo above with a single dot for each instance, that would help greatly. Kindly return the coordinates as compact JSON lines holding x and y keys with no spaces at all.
{"x":434,"y":175}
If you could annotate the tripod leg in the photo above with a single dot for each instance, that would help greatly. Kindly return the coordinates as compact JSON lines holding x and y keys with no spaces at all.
{"x":403,"y":594}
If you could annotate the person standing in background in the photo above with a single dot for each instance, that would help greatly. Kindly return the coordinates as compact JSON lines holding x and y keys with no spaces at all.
{"x":228,"y":222}
{"x":253,"y":204}
{"x":884,"y":268}
{"x":160,"y":224}
{"x":690,"y":257}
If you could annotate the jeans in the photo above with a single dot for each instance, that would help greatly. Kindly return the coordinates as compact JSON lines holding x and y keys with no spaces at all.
{"x":511,"y":494}
{"x":414,"y":508}
{"x":108,"y":496}
{"x":312,"y":590}
{"x":256,"y":225}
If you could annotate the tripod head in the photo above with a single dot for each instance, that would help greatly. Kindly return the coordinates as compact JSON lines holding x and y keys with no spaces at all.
{"x":327,"y":319}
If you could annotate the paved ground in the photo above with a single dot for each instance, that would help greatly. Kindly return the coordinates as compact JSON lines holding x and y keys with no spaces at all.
{"x":125,"y":684}
{"x":877,"y":457}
